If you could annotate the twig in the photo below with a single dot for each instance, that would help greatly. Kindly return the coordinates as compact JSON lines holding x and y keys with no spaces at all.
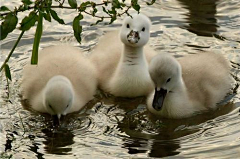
{"x":62,"y":2}
{"x":59,"y":6}
{"x":24,"y":129}
{"x":96,"y":15}
{"x":125,"y":12}
{"x":10,"y":54}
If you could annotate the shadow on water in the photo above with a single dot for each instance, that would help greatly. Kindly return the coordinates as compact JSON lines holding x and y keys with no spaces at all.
{"x":159,"y":137}
{"x":57,"y":142}
{"x":201,"y":17}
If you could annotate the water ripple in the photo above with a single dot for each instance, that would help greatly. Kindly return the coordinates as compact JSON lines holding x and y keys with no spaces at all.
{"x":122,"y":128}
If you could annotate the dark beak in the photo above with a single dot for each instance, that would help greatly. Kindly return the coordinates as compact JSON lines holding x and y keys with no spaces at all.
{"x":158,"y":99}
{"x":133,"y":37}
{"x":57,"y":119}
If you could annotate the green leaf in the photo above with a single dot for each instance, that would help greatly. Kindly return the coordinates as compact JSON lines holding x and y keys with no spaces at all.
{"x":100,"y":20}
{"x":48,"y":3}
{"x":7,"y":72}
{"x":83,"y":6}
{"x":105,"y":3}
{"x":113,"y":18}
{"x":72,"y":3}
{"x":151,"y":3}
{"x":47,"y":16}
{"x":116,"y":4}
{"x":113,"y":11}
{"x":29,"y":21}
{"x":8,"y":25}
{"x":104,"y":9}
{"x":4,"y":8}
{"x":94,"y":11}
{"x":93,"y":4}
{"x":77,"y":28}
{"x":37,"y":39}
{"x":27,"y":2}
{"x":123,"y":4}
{"x":55,"y":17}
{"x":135,"y":5}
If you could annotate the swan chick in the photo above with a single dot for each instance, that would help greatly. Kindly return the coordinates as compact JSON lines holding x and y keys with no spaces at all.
{"x":122,"y":62}
{"x":188,"y":86}
{"x":58,"y":96}
{"x":62,"y":82}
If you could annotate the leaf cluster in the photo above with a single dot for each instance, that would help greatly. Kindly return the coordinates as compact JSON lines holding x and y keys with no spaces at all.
{"x":41,"y":10}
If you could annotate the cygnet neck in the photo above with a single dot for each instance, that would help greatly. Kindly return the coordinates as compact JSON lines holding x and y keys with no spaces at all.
{"x":133,"y":55}
{"x":180,"y":85}
{"x":129,"y":50}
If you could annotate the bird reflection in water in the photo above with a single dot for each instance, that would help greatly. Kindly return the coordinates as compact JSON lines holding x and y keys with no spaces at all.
{"x":201,"y":17}
{"x":57,"y":142}
{"x":159,"y":137}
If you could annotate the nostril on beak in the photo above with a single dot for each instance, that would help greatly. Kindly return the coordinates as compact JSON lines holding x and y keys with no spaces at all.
{"x":133,"y":37}
{"x":137,"y":34}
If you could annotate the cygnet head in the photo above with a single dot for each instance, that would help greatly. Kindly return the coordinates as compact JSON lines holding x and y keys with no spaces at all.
{"x":58,"y":96}
{"x":166,"y":73}
{"x":135,"y":30}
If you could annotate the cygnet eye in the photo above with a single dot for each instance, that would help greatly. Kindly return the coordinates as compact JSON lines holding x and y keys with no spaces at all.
{"x":143,"y":29}
{"x":128,"y":26}
{"x":50,"y":106}
{"x":67,"y":105}
{"x":168,"y":80}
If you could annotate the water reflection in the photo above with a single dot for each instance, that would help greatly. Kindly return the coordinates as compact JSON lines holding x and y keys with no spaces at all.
{"x":34,"y":148}
{"x":146,"y":138}
{"x":160,"y":137}
{"x":119,"y":128}
{"x":151,"y":147}
{"x":57,"y":142}
{"x":201,"y":17}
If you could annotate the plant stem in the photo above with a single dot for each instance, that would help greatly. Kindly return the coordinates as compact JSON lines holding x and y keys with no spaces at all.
{"x":24,"y":130}
{"x":96,"y":15}
{"x":59,"y":6}
{"x":11,"y":52}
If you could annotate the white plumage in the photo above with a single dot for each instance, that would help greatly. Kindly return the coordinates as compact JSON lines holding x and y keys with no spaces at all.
{"x":192,"y":84}
{"x":62,"y":82}
{"x":123,"y":65}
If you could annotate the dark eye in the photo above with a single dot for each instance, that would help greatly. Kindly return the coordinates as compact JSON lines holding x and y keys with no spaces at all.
{"x":128,"y":26}
{"x":169,"y":80}
{"x":50,"y":106}
{"x":67,"y":106}
{"x":143,"y":29}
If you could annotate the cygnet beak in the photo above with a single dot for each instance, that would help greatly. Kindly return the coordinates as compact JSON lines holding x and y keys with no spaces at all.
{"x":56,"y":119}
{"x":158,"y":99}
{"x":59,"y":116}
{"x":133,"y":37}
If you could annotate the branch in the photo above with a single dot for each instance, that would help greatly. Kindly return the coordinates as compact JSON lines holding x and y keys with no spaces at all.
{"x":125,"y":12}
{"x":95,"y":15}
{"x":10,"y":54}
{"x":59,"y":6}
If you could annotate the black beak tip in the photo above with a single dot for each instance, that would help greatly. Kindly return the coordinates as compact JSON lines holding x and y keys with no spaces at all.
{"x":158,"y":99}
{"x":157,"y":107}
{"x":56,"y":120}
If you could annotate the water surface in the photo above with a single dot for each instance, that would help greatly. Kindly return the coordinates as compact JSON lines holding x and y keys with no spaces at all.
{"x":121,"y":128}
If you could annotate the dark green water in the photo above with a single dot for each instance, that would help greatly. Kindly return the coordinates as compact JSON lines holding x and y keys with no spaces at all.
{"x":121,"y":128}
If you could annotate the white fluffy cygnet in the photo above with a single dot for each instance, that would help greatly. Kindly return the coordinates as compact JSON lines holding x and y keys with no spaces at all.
{"x":122,"y":62}
{"x":191,"y":85}
{"x":62,"y":82}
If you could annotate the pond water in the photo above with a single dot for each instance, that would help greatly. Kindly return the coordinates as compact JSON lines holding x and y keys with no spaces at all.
{"x":121,"y":128}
